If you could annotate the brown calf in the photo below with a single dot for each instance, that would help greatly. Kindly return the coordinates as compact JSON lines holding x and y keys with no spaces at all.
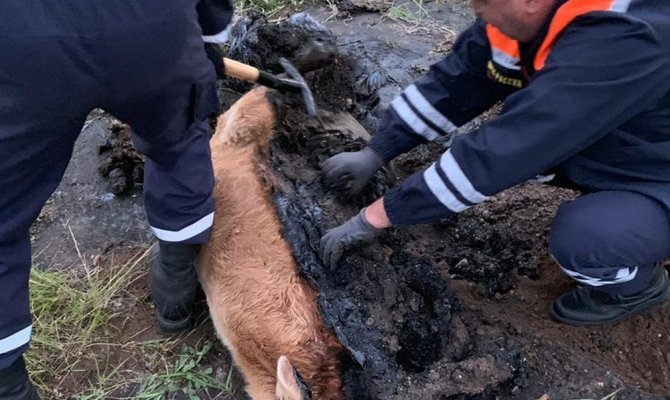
{"x":263,"y":311}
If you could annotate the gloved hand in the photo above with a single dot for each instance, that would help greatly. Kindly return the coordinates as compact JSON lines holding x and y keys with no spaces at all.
{"x":351,"y":171}
{"x":353,"y":233}
{"x":215,"y":55}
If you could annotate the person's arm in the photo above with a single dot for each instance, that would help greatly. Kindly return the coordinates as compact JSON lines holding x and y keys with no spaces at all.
{"x":214,"y":17}
{"x":603,"y":70}
{"x":454,"y":91}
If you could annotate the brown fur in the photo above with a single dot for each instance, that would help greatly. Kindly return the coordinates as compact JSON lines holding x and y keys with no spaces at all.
{"x":260,"y":306}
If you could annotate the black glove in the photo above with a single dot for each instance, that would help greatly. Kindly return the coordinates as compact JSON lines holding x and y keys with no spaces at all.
{"x":350,"y":172}
{"x":215,"y":55}
{"x":353,"y":233}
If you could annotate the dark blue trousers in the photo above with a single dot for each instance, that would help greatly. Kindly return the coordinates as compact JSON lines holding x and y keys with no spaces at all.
{"x":142,"y":61}
{"x":611,"y":240}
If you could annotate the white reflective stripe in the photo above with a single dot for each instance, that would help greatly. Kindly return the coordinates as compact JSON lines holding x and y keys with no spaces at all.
{"x":461,"y":182}
{"x":16,"y":340}
{"x":186,"y":233}
{"x":412,"y":120}
{"x":623,"y":275}
{"x":543,"y":178}
{"x":441,"y":191}
{"x":424,"y":107}
{"x":220,"y":38}
{"x":504,"y":59}
{"x":620,"y":5}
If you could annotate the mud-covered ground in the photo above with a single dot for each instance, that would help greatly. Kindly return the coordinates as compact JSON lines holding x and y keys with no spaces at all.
{"x":455,"y":310}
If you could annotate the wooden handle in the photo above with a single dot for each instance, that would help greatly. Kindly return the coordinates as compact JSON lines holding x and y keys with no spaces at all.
{"x":241,"y":71}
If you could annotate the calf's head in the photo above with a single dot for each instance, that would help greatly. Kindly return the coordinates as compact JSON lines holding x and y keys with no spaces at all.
{"x":252,"y":120}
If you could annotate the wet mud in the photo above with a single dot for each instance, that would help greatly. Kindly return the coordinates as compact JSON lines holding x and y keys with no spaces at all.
{"x":303,"y":41}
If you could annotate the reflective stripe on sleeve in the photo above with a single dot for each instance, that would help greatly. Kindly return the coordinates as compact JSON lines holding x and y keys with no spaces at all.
{"x":453,"y":189}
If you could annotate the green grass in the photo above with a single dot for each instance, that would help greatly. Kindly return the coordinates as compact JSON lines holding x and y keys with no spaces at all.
{"x":267,"y":7}
{"x":76,"y":351}
{"x":185,"y":375}
{"x":71,"y":312}
{"x":411,"y":13}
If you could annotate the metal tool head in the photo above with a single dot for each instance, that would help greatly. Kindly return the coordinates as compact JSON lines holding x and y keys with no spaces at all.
{"x":295,"y":76}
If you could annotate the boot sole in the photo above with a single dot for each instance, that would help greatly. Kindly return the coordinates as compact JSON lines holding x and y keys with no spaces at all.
{"x":660,"y":300}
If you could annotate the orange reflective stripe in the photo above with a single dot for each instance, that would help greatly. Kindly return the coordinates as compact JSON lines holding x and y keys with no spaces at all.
{"x":566,"y":14}
{"x":504,"y":50}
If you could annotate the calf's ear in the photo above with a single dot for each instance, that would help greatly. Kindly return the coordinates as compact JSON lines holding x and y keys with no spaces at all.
{"x":289,"y":385}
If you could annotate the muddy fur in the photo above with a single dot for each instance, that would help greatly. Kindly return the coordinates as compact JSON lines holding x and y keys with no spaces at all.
{"x":260,"y":306}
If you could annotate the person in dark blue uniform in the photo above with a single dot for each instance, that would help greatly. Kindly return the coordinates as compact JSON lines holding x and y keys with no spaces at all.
{"x":144,"y":61}
{"x":586,"y":91}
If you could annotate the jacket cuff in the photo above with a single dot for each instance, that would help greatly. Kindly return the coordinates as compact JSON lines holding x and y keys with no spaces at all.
{"x":388,"y":145}
{"x":413,"y":203}
{"x":394,"y":208}
{"x":214,"y":15}
{"x":219,"y":38}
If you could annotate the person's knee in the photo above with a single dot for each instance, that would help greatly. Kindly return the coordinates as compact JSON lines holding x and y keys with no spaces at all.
{"x":610,"y":229}
{"x":574,"y":237}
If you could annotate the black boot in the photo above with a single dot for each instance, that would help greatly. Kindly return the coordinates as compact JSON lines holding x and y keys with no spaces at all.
{"x":14,"y":383}
{"x":173,"y":285}
{"x":587,"y":306}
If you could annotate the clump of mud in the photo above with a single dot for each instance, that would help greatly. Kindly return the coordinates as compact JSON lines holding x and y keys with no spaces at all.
{"x":490,"y":244}
{"x":338,"y":82}
{"x":260,"y":44}
{"x":123,"y":166}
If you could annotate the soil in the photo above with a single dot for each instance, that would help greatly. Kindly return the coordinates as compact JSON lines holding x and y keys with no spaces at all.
{"x":455,"y":310}
{"x":123,"y":166}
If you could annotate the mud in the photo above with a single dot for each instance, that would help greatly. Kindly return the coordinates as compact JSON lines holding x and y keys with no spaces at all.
{"x":123,"y":166}
{"x":306,"y":43}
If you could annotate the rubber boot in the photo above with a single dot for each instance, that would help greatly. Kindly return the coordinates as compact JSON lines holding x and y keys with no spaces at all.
{"x":15,"y":384}
{"x":587,"y":306}
{"x":173,"y":285}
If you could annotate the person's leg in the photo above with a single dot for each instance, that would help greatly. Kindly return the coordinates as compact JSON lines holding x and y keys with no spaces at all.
{"x":165,"y":89}
{"x":43,"y":105}
{"x":612,"y":243}
{"x":15,"y":384}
